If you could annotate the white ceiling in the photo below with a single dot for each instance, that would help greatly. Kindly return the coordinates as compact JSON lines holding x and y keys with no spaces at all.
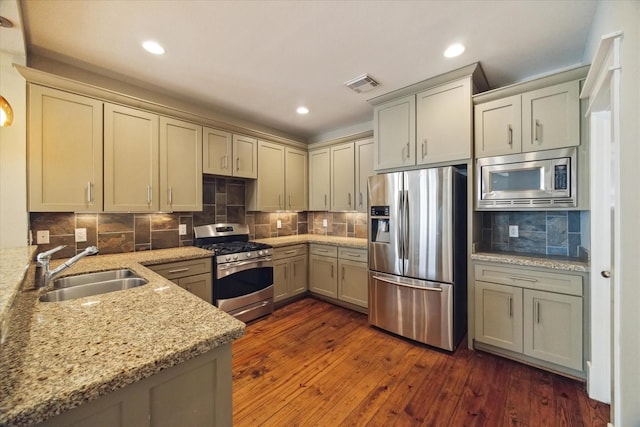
{"x":259,"y":60}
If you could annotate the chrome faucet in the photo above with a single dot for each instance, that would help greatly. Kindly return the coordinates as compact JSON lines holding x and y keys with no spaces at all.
{"x":44,"y":275}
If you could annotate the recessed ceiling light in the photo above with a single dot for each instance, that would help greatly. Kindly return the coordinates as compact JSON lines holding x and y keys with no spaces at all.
{"x":454,"y":50}
{"x":302,"y":110}
{"x":153,"y":47}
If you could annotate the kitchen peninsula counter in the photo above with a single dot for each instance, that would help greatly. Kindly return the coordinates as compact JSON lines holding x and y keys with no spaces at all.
{"x":519,"y":259}
{"x":352,"y":242}
{"x":59,"y":355}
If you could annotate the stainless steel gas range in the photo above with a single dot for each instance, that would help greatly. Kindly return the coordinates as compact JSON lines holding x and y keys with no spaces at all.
{"x":243,"y":270}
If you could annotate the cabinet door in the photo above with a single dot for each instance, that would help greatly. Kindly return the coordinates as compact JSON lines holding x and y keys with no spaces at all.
{"x":296,"y":174}
{"x":217,"y":154}
{"x":364,"y":169}
{"x":323,"y":278}
{"x":319,"y":180}
{"x":553,"y":328}
{"x":443,"y":121}
{"x":499,"y":315}
{"x":180,"y":166}
{"x":200,"y":285}
{"x":244,"y":163}
{"x":298,"y":275}
{"x":270,"y":182}
{"x":497,"y":127}
{"x":394,"y":127}
{"x":342,"y":178}
{"x":65,"y":151}
{"x":353,"y":283}
{"x":131,"y":160}
{"x":280,"y":280}
{"x":551,"y":117}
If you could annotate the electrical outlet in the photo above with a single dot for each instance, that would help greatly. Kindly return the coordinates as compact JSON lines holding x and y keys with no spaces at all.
{"x":279,"y":223}
{"x":513,"y":231}
{"x":81,"y":234}
{"x":182,"y":229}
{"x":42,"y":237}
{"x":324,"y":223}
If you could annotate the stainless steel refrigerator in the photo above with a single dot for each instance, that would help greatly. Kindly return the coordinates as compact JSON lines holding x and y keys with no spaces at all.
{"x":418,"y":255}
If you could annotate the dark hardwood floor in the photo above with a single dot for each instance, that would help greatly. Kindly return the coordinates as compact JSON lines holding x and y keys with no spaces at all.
{"x":315,"y":364}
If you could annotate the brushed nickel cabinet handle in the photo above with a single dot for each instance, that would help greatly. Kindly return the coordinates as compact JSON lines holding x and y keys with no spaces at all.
{"x":526,"y":279}
{"x":361,"y":199}
{"x":538,"y":312}
{"x":89,"y":195}
{"x":349,"y":198}
{"x":290,"y":201}
{"x":408,"y":154}
{"x":510,"y":307}
{"x":343,"y":273}
{"x":170,"y":195}
{"x":290,"y":252}
{"x":179,"y":270}
{"x":325,"y":200}
{"x":510,"y":135}
{"x":538,"y":125}
{"x":149,"y":194}
{"x":424,"y":148}
{"x":237,"y":164}
{"x":332,"y":271}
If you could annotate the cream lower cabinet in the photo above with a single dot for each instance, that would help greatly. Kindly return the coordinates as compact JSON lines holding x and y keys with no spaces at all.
{"x":193,"y":275}
{"x":65,"y":151}
{"x":534,"y":313}
{"x":353,"y":285}
{"x":290,"y":270}
{"x":194,"y":393}
{"x":323,"y":270}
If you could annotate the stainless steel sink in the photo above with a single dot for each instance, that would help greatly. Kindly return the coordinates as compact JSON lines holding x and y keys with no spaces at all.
{"x":100,"y":276}
{"x":97,"y":288}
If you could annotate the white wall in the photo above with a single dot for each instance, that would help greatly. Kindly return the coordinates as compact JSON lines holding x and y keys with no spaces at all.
{"x":625,"y":16}
{"x":13,"y":156}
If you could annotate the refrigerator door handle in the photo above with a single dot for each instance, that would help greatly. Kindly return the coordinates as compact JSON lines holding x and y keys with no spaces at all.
{"x":406,"y":285}
{"x":400,"y":232}
{"x":405,"y":228}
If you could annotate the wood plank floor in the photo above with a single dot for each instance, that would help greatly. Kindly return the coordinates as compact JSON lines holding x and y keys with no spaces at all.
{"x":315,"y":364}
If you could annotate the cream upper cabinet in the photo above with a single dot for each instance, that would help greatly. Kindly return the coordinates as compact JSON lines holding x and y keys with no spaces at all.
{"x":363,"y":169}
{"x":131,"y":160}
{"x":498,"y":127}
{"x":342,"y":177}
{"x":245,"y":157}
{"x":267,"y":192}
{"x":180,"y":165}
{"x":541,"y":119}
{"x":551,"y":117}
{"x":319,"y":180}
{"x":296,"y":179}
{"x":394,"y":124}
{"x":443,"y":123}
{"x":217,"y":156}
{"x":65,"y":151}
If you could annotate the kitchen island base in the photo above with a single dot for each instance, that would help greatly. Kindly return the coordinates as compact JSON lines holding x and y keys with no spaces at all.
{"x":196,"y":393}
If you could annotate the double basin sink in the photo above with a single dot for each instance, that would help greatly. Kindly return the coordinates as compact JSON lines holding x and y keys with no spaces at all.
{"x":89,"y":284}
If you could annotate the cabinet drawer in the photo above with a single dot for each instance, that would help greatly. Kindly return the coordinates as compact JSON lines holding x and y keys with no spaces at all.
{"x":357,"y":255}
{"x":176,"y":270}
{"x":289,"y":251}
{"x":323,"y":250}
{"x":531,"y":279}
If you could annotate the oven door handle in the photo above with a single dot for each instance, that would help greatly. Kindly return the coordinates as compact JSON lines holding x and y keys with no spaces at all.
{"x":236,"y":267}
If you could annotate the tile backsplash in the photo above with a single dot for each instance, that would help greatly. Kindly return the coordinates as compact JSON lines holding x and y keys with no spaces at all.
{"x":223,"y":201}
{"x":563,"y":233}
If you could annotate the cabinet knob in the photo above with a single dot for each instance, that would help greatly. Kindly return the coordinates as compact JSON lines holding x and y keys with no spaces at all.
{"x":606,"y":274}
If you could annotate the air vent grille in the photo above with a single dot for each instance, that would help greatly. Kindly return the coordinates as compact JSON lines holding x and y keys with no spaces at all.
{"x":363,"y":83}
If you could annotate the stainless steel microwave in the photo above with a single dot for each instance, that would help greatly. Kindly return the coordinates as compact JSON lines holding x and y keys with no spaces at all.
{"x":536,"y":180}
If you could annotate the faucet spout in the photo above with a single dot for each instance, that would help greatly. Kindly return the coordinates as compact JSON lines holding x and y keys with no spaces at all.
{"x":44,"y":275}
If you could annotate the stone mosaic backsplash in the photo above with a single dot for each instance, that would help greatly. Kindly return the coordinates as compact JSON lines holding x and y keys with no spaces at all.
{"x":564,"y":233}
{"x":223,"y":201}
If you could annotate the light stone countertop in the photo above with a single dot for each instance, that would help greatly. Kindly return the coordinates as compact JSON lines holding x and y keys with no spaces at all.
{"x":352,"y":242}
{"x":60,"y":355}
{"x":554,"y":263}
{"x":14,"y":263}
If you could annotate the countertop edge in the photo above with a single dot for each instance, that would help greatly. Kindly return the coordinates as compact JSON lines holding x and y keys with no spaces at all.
{"x":299,"y":239}
{"x":531,"y":261}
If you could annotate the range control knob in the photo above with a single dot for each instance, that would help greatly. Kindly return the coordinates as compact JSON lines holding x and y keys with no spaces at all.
{"x":228,"y":258}
{"x":249,"y":254}
{"x":235,"y":257}
{"x":260,"y":253}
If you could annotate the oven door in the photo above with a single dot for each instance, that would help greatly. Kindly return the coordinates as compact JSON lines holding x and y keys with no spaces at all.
{"x":244,"y":289}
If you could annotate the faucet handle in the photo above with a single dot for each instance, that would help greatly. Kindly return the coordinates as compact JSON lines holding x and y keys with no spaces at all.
{"x":47,"y":255}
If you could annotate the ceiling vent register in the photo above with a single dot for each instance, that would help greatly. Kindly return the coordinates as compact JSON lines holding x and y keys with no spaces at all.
{"x":361,"y":84}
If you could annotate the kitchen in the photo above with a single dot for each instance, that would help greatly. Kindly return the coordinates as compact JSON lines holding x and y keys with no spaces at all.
{"x":121,"y":231}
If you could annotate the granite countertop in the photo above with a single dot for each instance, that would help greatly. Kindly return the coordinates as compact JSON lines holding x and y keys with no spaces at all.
{"x":14,"y":263}
{"x":60,"y":355}
{"x":352,"y":242}
{"x":551,"y":262}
